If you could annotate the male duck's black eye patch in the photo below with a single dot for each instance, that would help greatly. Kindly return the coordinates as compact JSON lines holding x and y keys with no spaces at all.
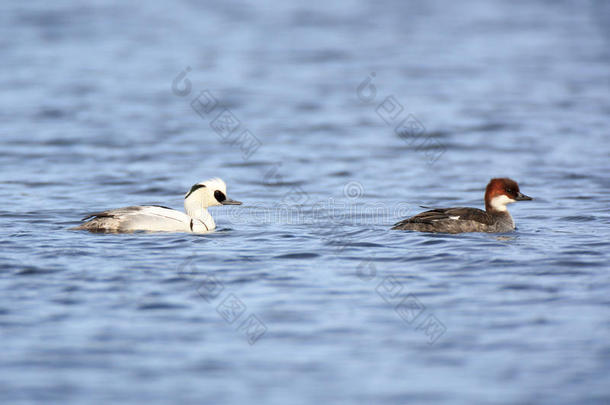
{"x":220,"y":196}
{"x":193,"y":189}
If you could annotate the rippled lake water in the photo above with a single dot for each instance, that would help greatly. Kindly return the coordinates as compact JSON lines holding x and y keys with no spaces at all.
{"x":331,"y":121}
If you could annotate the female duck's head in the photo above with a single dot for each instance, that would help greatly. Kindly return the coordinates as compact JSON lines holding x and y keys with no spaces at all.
{"x":206,"y":194}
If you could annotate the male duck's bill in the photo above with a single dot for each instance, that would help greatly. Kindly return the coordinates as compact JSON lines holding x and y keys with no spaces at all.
{"x":223,"y":200}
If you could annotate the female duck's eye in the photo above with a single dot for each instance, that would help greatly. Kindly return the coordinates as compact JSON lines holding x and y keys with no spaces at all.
{"x":220,"y":196}
{"x":509,"y":190}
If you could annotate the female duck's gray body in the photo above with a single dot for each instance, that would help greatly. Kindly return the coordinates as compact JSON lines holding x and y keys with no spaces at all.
{"x":494,"y":219}
{"x":156,"y":218}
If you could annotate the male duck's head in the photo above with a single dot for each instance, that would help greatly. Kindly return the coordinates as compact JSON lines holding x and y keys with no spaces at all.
{"x":207,"y":194}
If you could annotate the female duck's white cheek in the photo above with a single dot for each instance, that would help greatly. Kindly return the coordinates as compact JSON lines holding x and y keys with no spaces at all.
{"x":499,"y":202}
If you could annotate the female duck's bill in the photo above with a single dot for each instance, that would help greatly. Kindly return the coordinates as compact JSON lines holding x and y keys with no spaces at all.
{"x":154,"y":218}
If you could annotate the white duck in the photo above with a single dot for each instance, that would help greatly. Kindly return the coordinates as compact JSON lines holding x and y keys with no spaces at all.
{"x":156,"y":218}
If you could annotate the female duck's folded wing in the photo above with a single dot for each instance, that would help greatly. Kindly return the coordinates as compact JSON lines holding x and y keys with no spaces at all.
{"x":136,"y":218}
{"x":446,"y":214}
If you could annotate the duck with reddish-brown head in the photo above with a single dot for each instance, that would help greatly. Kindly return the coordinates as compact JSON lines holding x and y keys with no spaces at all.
{"x":499,"y":193}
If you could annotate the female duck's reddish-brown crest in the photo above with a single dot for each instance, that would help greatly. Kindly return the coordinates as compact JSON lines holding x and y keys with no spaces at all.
{"x":500,"y":186}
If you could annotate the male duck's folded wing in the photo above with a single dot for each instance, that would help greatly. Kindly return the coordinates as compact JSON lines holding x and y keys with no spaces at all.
{"x":147,"y":218}
{"x":132,"y":210}
{"x":154,"y":218}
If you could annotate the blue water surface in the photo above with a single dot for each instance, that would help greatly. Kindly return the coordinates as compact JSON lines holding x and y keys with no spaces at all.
{"x":331,"y":121}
